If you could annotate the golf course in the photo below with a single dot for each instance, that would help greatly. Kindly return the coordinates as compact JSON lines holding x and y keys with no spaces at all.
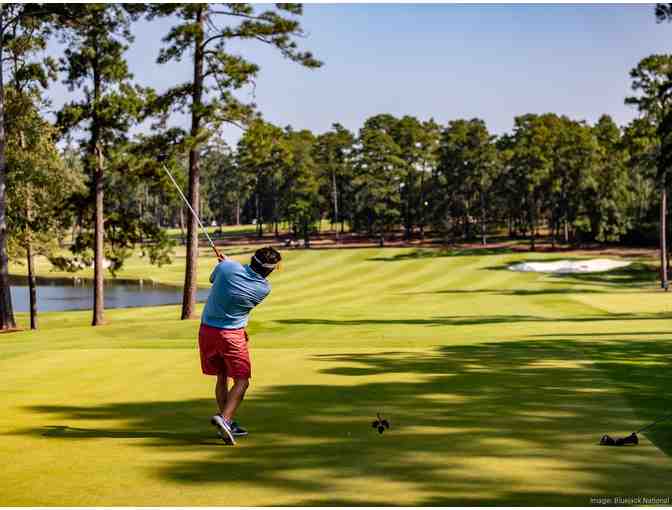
{"x":498,"y":386}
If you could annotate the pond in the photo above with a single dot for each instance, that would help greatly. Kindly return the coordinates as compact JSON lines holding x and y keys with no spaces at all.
{"x":60,"y":294}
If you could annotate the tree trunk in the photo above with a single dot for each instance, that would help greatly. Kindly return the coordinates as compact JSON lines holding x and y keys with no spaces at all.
{"x":7,"y":320}
{"x":189,"y":296}
{"x":483,"y":228}
{"x":422,"y":205}
{"x":533,"y":228}
{"x":408,"y":228}
{"x":335,"y":196}
{"x":237,"y":209}
{"x":32,"y":286}
{"x":663,"y":238}
{"x":257,"y":207}
{"x":465,"y":218}
{"x":98,"y":248}
{"x":566,"y":227}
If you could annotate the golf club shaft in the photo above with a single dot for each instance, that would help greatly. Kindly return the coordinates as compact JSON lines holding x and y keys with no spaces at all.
{"x":191,"y":209}
{"x":659,"y":419}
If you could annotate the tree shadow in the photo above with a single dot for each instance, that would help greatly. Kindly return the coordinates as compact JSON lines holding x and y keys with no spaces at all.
{"x":514,"y":292}
{"x":165,"y":438}
{"x":510,"y":423}
{"x":474,"y":320}
{"x":636,"y":275}
{"x":442,"y":253}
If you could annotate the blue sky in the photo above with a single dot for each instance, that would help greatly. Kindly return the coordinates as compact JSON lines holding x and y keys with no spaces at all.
{"x":440,"y":61}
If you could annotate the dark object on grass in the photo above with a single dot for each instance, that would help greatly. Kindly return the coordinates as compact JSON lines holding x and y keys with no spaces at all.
{"x":632,"y":439}
{"x":381,"y":424}
{"x":607,"y":440}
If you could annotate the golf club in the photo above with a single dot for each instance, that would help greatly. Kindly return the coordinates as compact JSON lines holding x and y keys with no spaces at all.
{"x":161,"y":159}
{"x":607,"y":440}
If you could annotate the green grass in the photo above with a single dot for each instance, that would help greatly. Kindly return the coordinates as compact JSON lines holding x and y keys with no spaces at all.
{"x":248,"y":229}
{"x":498,"y":386}
{"x":176,"y":233}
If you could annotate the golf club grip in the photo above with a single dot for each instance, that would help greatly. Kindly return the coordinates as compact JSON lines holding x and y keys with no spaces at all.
{"x":219,"y":255}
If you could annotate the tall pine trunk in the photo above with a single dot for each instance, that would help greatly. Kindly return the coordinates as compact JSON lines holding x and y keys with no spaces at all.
{"x":663,"y":237}
{"x":98,"y":248}
{"x":257,"y":204}
{"x":422,"y":205}
{"x":98,"y":268}
{"x":32,"y":285}
{"x":6,"y":311}
{"x":189,"y":297}
{"x":483,"y":226}
{"x":533,"y":226}
{"x":335,"y":196}
{"x":566,"y":231}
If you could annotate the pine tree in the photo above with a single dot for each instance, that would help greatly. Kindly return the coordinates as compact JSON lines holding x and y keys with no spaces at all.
{"x":333,"y":156}
{"x":94,"y":62}
{"x":652,"y":80}
{"x":204,"y":30}
{"x":23,"y":29}
{"x":378,"y":176}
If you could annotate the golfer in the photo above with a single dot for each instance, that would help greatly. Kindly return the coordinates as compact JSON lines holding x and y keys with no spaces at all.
{"x":222,"y":339}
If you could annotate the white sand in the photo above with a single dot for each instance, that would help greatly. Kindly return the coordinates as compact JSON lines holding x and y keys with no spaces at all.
{"x":570,"y":266}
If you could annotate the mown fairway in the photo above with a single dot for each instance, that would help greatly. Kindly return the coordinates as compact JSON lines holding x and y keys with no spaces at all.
{"x":498,"y":386}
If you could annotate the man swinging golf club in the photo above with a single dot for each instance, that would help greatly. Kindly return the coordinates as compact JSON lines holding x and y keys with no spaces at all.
{"x":222,"y":339}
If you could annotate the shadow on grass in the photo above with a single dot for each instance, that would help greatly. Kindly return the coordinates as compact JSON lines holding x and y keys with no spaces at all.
{"x":514,"y":292}
{"x":165,"y":437}
{"x":441,"y":253}
{"x":634,"y":275}
{"x":510,"y":423}
{"x":474,"y":320}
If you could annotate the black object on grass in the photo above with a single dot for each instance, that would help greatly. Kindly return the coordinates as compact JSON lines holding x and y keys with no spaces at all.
{"x":632,"y":439}
{"x":381,"y":424}
{"x":607,"y":440}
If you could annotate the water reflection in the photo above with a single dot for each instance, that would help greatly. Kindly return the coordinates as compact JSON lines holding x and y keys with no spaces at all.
{"x":59,"y":294}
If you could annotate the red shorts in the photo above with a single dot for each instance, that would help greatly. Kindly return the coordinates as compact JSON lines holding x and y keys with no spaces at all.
{"x":224,"y":352}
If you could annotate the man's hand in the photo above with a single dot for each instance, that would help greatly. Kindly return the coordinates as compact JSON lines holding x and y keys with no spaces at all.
{"x":221,"y":257}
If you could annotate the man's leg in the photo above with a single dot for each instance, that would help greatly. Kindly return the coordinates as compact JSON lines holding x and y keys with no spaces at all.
{"x":221,"y":391}
{"x":235,"y":397}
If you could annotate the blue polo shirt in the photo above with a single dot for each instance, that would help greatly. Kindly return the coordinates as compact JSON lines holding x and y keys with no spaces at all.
{"x":236,"y":289}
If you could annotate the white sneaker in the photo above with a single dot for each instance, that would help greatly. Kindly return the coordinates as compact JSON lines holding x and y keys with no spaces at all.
{"x":223,"y":429}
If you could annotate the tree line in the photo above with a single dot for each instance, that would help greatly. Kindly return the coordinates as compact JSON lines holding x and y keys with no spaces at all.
{"x":108,"y":163}
{"x":563,"y":178}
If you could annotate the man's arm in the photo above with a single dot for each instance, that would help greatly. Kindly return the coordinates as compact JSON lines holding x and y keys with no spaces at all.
{"x":220,"y":258}
{"x":214,"y":271}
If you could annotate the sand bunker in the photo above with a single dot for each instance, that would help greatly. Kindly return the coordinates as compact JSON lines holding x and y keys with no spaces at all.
{"x":570,"y":266}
